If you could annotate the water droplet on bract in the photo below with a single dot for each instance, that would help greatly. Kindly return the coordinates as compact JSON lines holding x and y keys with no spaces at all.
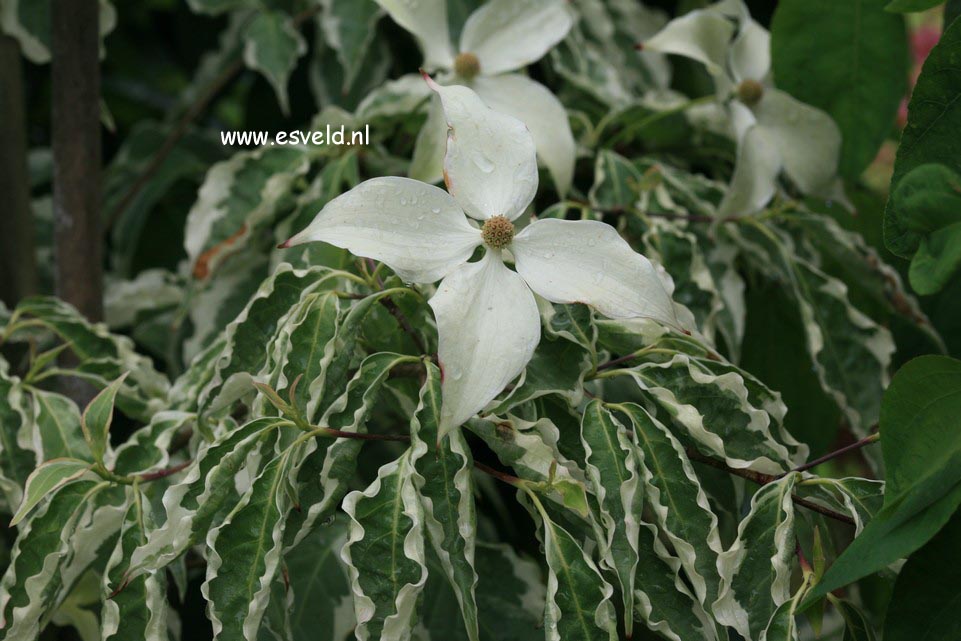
{"x":403,"y":201}
{"x":548,"y":254}
{"x":420,"y":217}
{"x":435,"y":210}
{"x":591,"y":242}
{"x":598,"y":277}
{"x":483,"y":163}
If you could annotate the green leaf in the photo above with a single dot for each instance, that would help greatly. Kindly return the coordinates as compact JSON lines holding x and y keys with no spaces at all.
{"x":244,"y":554}
{"x":578,"y":598}
{"x":557,"y":367}
{"x":29,"y":22}
{"x":911,"y":6}
{"x":612,"y":466}
{"x":239,"y":197}
{"x":103,"y":356}
{"x":616,"y":182}
{"x":58,"y":422}
{"x":349,"y":27}
{"x":385,"y":552}
{"x":810,"y":37}
{"x":934,"y":114}
{"x":97,"y":418}
{"x":272,"y":48}
{"x":193,"y":504}
{"x":857,"y":625}
{"x":134,"y":608}
{"x":30,"y":584}
{"x":322,"y":607}
{"x":663,"y":600}
{"x":47,"y":479}
{"x":309,"y":347}
{"x":922,"y":457}
{"x":860,"y":498}
{"x":928,"y":590}
{"x":530,"y":448}
{"x":147,"y":448}
{"x":17,"y":458}
{"x":679,"y":503}
{"x":443,"y":477}
{"x":725,"y":412}
{"x":756,"y":570}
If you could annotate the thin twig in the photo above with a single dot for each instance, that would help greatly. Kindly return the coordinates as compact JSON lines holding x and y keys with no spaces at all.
{"x":867,"y":440}
{"x":159,"y":474}
{"x":363,"y":436}
{"x":183,"y":123}
{"x":500,"y":476}
{"x":763,"y":479}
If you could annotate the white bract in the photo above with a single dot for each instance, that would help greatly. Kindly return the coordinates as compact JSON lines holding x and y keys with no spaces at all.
{"x":774,"y":131}
{"x":500,"y":37}
{"x":487,"y":318}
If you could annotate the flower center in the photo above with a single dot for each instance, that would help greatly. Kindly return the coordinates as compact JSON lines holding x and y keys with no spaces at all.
{"x":750,"y":92}
{"x":466,"y":65}
{"x":497,"y":232}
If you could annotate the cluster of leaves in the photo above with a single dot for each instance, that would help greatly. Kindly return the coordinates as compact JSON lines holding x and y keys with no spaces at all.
{"x":285,"y":468}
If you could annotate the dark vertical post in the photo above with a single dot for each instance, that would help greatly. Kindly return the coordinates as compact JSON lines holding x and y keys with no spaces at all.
{"x":18,"y":263}
{"x":75,"y":70}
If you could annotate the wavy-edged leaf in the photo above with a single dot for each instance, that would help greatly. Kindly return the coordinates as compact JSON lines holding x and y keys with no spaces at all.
{"x":147,"y":448}
{"x":103,"y":356}
{"x":244,"y":554}
{"x":309,"y":351}
{"x":761,"y":556}
{"x":442,"y":475}
{"x":58,"y":425}
{"x":322,"y":603}
{"x":49,"y":477}
{"x":531,"y":449}
{"x":612,"y":466}
{"x":349,"y":28}
{"x":329,"y":465}
{"x":239,"y":196}
{"x":17,"y":458}
{"x":97,"y":418}
{"x":385,"y":552}
{"x":248,"y":337}
{"x":674,"y":493}
{"x":860,"y":498}
{"x":557,"y":367}
{"x":850,"y":352}
{"x":578,"y":602}
{"x":721,"y":411}
{"x":33,"y":578}
{"x":273,"y":45}
{"x":135,"y":608}
{"x":663,"y":601}
{"x":192,"y":505}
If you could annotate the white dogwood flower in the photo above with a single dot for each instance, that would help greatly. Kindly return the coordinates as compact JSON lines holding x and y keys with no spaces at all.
{"x":500,"y":37}
{"x":774,"y":131}
{"x":487,"y":318}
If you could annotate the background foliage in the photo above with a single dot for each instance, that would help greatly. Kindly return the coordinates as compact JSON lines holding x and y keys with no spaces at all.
{"x":257,"y":454}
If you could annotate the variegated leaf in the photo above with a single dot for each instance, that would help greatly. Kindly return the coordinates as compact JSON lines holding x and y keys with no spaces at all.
{"x":146,"y":449}
{"x":674,"y":493}
{"x":58,"y":426}
{"x":385,"y":552}
{"x":857,"y":497}
{"x":442,"y":475}
{"x":756,"y":570}
{"x":612,"y":466}
{"x":30,"y":585}
{"x":17,"y":457}
{"x":578,"y":597}
{"x":192,"y":505}
{"x":244,"y":554}
{"x":134,"y":608}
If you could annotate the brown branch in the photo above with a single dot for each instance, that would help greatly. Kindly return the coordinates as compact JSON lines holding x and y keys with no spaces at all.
{"x":159,"y":474}
{"x":363,"y":436}
{"x":75,"y":97}
{"x":194,"y":111}
{"x":497,"y":474}
{"x":763,"y":479}
{"x":867,"y":440}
